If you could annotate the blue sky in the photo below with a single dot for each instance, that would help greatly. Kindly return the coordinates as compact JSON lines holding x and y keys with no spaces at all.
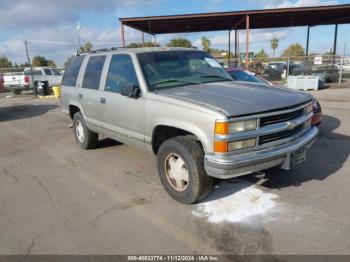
{"x":50,"y":26}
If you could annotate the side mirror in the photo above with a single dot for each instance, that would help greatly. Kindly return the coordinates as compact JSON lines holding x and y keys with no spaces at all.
{"x":130,"y":90}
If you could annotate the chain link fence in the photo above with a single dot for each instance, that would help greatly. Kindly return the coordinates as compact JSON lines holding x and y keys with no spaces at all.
{"x":331,"y":69}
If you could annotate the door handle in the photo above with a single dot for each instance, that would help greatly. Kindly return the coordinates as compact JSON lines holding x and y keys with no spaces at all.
{"x":103,"y":100}
{"x":80,"y":96}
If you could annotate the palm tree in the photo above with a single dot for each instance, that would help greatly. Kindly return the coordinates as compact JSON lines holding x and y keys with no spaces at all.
{"x":206,"y":44}
{"x":274,"y":45}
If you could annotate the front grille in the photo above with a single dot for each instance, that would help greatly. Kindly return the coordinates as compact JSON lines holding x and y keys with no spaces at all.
{"x":268,"y":120}
{"x":280,"y":135}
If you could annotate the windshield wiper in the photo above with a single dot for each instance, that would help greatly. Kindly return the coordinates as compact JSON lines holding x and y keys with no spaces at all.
{"x":216,"y":76}
{"x":171,"y":80}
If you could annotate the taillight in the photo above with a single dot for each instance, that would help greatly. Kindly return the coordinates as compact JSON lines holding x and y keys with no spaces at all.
{"x":26,"y":79}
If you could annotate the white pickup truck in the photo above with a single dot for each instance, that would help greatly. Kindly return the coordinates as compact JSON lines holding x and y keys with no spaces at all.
{"x":23,"y":81}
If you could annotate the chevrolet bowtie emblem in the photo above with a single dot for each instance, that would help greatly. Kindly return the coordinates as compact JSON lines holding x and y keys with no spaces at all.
{"x":291,"y":125}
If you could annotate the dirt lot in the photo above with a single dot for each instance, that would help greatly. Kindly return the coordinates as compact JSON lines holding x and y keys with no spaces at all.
{"x":58,"y":199}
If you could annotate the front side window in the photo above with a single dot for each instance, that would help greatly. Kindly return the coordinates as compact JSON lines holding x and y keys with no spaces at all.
{"x":71,"y":73}
{"x":121,"y":72}
{"x":55,"y":72}
{"x":92,"y":75}
{"x":166,"y":69}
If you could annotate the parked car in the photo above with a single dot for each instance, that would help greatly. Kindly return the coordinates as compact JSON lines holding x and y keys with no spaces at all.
{"x":247,"y":76}
{"x":244,"y":75}
{"x":274,"y":70}
{"x":328,"y":72}
{"x":19,"y":82}
{"x":2,"y":88}
{"x":181,"y":105}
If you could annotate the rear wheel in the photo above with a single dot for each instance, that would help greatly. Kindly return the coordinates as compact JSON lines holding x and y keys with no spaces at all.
{"x":16,"y":91}
{"x":181,"y":169}
{"x":86,"y":138}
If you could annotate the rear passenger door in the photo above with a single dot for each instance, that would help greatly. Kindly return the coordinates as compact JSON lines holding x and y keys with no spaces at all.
{"x":123,"y":116}
{"x":89,"y":94}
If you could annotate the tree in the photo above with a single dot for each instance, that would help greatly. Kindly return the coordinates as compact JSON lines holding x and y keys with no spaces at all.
{"x":179,"y":42}
{"x":293,"y":50}
{"x":51,"y":63}
{"x":261,"y":55}
{"x":25,"y":64}
{"x":206,"y":44}
{"x":146,"y":44}
{"x":274,"y":45}
{"x":42,"y":61}
{"x":86,"y":48}
{"x":39,"y":61}
{"x":5,"y":62}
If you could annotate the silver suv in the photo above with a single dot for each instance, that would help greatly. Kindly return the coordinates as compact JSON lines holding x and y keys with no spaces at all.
{"x":181,"y":105}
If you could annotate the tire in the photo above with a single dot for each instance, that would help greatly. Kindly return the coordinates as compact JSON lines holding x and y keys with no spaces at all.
{"x":85,"y":138}
{"x":188,"y":150}
{"x":16,"y":91}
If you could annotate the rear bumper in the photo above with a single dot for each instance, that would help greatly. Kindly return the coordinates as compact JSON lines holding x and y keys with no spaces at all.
{"x":232,"y":166}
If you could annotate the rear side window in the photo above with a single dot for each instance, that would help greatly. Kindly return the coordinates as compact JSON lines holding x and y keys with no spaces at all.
{"x":92,"y":75}
{"x":71,"y":73}
{"x":35,"y":73}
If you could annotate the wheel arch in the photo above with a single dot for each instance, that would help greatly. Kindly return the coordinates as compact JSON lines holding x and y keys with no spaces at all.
{"x":164,"y":131}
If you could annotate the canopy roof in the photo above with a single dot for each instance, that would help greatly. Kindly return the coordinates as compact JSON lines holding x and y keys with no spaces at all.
{"x":266,"y":18}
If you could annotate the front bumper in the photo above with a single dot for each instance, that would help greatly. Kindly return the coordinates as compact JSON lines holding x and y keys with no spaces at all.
{"x":221,"y":166}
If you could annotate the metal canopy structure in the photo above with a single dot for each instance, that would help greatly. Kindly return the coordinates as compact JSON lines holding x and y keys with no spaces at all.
{"x":249,"y":19}
{"x":267,"y":18}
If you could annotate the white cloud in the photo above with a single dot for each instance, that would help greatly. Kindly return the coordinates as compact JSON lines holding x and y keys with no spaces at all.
{"x":38,"y":13}
{"x":212,"y":5}
{"x":59,"y":42}
{"x":50,"y":27}
{"x":298,"y":3}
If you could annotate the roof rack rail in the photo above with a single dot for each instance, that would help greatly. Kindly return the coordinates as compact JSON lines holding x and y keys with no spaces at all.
{"x":99,"y":50}
{"x":105,"y":49}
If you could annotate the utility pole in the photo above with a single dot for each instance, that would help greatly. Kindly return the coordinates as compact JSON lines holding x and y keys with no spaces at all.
{"x":30,"y":65}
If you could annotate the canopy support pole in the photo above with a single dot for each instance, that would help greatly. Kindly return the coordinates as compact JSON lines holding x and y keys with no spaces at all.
{"x":236,"y":44}
{"x":307,"y":40}
{"x":122,"y":36}
{"x":335,"y":39}
{"x":229,"y":46}
{"x":247,"y":42}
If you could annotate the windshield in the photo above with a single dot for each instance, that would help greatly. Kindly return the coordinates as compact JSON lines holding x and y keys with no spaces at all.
{"x":180,"y":68}
{"x":244,"y":76}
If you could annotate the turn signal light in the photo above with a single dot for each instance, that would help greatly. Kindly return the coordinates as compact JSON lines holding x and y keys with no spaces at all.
{"x":220,"y":147}
{"x":221,"y":128}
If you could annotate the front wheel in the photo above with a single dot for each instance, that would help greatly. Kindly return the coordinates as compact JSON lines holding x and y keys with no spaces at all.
{"x":86,"y":138}
{"x":181,"y":170}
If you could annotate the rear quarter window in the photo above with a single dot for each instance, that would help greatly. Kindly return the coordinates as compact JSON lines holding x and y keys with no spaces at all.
{"x":71,"y":73}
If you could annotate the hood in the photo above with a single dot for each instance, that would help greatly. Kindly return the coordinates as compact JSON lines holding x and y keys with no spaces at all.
{"x":236,"y":98}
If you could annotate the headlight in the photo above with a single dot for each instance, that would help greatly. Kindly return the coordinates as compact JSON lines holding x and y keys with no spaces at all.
{"x":224,"y":128}
{"x":308,"y":109}
{"x":241,"y":144}
{"x":242,"y":126}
